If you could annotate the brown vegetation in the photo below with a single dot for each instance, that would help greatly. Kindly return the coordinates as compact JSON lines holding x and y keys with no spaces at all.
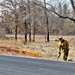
{"x":17,"y":51}
{"x":39,"y":49}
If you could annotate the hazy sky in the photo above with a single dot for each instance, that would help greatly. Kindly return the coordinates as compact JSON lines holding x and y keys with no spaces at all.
{"x":0,"y":0}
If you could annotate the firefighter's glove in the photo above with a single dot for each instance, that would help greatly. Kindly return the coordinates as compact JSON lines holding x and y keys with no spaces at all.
{"x":59,"y":54}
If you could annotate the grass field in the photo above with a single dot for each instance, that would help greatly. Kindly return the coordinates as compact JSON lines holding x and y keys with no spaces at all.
{"x":40,"y":48}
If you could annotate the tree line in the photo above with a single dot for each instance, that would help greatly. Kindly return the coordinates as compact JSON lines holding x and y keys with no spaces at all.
{"x":31,"y":17}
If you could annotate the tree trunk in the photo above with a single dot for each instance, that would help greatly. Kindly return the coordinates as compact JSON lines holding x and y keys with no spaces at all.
{"x":34,"y":21}
{"x":73,"y":6}
{"x":34,"y":32}
{"x":16,"y":26}
{"x":25,"y":31}
{"x":16,"y":32}
{"x":46,"y":20}
{"x":29,"y":21}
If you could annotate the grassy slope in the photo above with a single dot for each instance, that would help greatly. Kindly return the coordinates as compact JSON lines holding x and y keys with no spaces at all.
{"x":48,"y":50}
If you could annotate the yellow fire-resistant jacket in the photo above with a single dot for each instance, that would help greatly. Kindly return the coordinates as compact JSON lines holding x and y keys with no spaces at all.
{"x":63,"y":45}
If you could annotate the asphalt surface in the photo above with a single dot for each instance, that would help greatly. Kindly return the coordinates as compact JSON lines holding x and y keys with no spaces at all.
{"x":29,"y":66}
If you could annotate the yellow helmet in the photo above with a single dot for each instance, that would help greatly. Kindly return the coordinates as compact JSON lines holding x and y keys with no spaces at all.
{"x":60,"y":37}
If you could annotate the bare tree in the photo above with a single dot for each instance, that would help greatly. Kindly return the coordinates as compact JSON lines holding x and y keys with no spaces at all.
{"x":73,"y":5}
{"x":38,"y":17}
{"x":46,"y":21}
{"x":11,"y":6}
{"x":66,"y":17}
{"x":29,"y":22}
{"x":52,"y":8}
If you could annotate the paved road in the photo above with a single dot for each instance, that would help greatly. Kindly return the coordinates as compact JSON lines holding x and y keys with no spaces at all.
{"x":25,"y":66}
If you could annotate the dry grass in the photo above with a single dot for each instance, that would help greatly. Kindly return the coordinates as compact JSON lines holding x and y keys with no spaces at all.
{"x":39,"y":48}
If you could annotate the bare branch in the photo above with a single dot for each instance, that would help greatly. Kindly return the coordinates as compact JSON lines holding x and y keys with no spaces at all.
{"x":72,"y":3}
{"x":53,"y":10}
{"x":65,"y":17}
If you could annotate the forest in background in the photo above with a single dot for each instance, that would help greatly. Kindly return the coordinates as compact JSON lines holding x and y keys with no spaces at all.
{"x":37,"y":17}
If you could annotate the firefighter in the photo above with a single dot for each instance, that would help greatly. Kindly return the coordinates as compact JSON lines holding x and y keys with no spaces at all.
{"x":63,"y":47}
